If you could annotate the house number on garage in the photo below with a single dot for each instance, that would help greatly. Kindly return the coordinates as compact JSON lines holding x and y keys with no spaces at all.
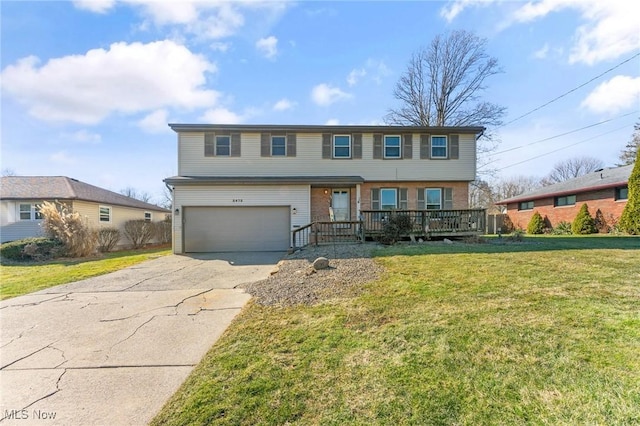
{"x":238,"y":200}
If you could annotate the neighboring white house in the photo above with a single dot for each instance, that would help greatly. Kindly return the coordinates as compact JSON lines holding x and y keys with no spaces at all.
{"x":247,"y":187}
{"x":20,"y":197}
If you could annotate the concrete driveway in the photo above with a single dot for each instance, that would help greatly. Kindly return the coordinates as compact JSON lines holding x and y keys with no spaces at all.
{"x":111,"y":350}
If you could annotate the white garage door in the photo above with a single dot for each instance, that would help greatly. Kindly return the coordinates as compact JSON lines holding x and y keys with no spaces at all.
{"x":219,"y":229}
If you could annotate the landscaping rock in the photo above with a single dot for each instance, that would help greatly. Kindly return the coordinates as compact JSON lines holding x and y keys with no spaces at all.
{"x":321,"y":263}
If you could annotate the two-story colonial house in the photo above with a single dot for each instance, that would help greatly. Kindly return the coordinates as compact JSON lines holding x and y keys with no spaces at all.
{"x":247,"y":187}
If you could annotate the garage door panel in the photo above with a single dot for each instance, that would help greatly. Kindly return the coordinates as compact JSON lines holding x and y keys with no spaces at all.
{"x":218,"y":229}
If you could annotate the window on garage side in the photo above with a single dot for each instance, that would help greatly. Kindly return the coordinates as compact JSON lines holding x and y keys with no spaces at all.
{"x":28,"y":211}
{"x":105,"y":214}
{"x":223,"y":145}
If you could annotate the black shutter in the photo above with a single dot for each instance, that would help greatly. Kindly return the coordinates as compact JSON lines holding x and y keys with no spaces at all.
{"x":265,"y":144}
{"x":420,"y":205}
{"x":425,"y":149}
{"x":377,"y":146}
{"x":454,"y":146}
{"x":447,"y":198}
{"x":291,"y":144}
{"x":375,"y":199}
{"x":326,"y":145}
{"x":407,"y":146}
{"x":209,"y":144}
{"x":403,"y":199}
{"x":235,"y":144}
{"x":357,"y":145}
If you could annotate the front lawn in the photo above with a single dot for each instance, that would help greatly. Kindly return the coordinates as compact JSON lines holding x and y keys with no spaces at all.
{"x":17,"y":279}
{"x":543,"y":332}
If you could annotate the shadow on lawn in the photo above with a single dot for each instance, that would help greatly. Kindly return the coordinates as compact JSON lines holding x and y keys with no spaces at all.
{"x":505,"y":245}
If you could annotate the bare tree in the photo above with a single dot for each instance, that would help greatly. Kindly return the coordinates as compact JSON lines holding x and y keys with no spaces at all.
{"x":443,"y":86}
{"x":8,"y":172}
{"x":138,"y":195}
{"x":572,"y":168}
{"x":628,"y":154}
{"x":484,"y":194}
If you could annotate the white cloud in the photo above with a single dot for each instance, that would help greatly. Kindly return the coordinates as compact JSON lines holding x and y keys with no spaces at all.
{"x":156,"y":122}
{"x":332,"y":122}
{"x":542,"y":52}
{"x":610,"y":28}
{"x":283,"y":105}
{"x":355,"y":75}
{"x":454,"y":8}
{"x":324,"y":94}
{"x":618,"y":94}
{"x":221,"y":116}
{"x":83,"y":137}
{"x":220,"y":46}
{"x":268,"y":46}
{"x":126,"y":78}
{"x":202,"y":19}
{"x":96,"y":6}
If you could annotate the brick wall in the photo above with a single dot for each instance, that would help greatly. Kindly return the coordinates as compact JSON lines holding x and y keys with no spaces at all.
{"x":320,"y":202}
{"x":604,"y":200}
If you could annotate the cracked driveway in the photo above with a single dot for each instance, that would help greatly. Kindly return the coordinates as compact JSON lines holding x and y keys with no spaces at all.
{"x":111,"y":350}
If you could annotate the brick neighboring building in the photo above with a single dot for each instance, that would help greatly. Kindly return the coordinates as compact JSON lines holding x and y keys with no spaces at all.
{"x":604,"y":190}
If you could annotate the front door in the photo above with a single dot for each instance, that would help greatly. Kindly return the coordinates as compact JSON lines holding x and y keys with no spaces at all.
{"x":340,"y":204}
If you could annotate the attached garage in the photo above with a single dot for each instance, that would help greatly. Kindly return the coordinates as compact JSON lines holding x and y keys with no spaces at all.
{"x":231,"y":228}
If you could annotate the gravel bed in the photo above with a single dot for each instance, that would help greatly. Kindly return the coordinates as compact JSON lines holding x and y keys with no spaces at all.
{"x":295,"y":282}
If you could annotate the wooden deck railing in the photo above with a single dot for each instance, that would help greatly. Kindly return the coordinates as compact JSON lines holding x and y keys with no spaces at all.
{"x":423,"y":223}
{"x":429,"y":223}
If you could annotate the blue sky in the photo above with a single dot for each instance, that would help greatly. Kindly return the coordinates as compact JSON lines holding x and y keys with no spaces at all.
{"x":88,"y":87}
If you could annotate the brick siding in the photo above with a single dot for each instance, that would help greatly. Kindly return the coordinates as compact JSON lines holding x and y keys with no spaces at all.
{"x":603,"y":200}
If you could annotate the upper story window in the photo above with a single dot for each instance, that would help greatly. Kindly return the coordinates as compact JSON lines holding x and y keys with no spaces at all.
{"x":342,"y":146}
{"x":525,"y":205}
{"x":433,"y":198}
{"x":392,"y":146}
{"x":278,"y":146}
{"x":622,"y":193}
{"x":223,"y":145}
{"x":567,"y":200}
{"x":438,"y":147}
{"x":147,"y":216}
{"x":105,"y":214}
{"x":29,"y":212}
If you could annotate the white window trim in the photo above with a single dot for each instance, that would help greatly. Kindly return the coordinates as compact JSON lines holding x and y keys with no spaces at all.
{"x":216,"y":146}
{"x":349,"y":146}
{"x":285,"y":146}
{"x":32,"y":212}
{"x":384,"y":146}
{"x":100,"y":214}
{"x":426,"y":199}
{"x":446,"y":146}
{"x":395,"y":190}
{"x":150,"y":216}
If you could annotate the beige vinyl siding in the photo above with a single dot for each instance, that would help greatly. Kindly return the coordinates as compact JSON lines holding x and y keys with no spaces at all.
{"x":309,"y":161}
{"x":119,"y":216}
{"x":12,"y":228}
{"x":294,"y":196}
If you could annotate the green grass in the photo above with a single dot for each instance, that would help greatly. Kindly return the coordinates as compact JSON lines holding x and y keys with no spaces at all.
{"x":542,"y":332}
{"x":17,"y":279}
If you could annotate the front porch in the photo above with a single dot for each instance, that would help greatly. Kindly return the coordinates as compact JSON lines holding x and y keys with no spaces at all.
{"x":418,"y":224}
